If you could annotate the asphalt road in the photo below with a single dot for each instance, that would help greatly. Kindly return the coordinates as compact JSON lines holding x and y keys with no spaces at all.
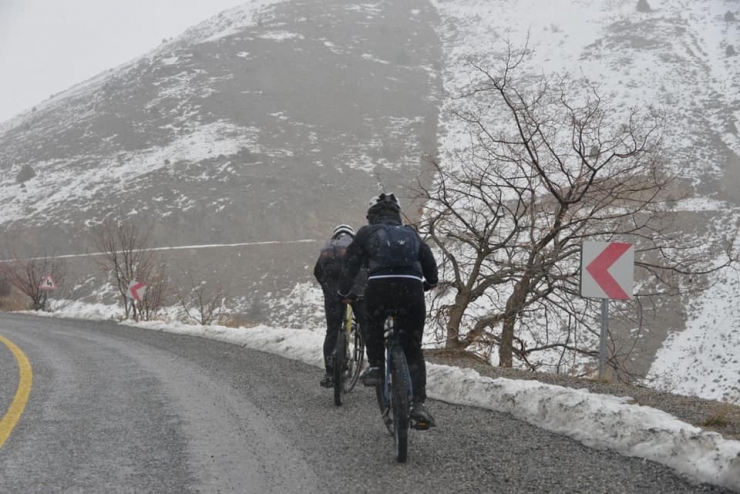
{"x":120,"y":409}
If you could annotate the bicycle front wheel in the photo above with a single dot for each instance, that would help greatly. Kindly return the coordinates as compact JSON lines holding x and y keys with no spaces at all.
{"x":385,"y":410}
{"x":340,"y":363}
{"x":400,"y":402}
{"x":355,"y":358}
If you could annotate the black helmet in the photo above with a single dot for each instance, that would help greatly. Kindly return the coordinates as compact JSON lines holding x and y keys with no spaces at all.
{"x":385,"y":198}
{"x":383,"y":205}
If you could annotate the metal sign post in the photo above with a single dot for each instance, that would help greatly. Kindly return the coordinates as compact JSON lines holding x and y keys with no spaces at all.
{"x":602,"y":340}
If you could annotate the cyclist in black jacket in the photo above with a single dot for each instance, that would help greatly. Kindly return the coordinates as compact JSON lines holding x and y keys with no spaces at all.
{"x":400,"y":268}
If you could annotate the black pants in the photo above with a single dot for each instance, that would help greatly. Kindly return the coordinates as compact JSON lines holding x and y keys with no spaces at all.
{"x":398,"y":293}
{"x":334,"y":310}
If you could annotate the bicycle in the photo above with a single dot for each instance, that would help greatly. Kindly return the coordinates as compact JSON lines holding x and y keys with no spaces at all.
{"x":349,"y":354}
{"x":395,"y":394}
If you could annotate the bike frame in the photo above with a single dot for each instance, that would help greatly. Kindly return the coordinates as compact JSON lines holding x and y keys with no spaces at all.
{"x":348,"y":319}
{"x":391,"y":340}
{"x":358,"y":349}
{"x":348,"y":356}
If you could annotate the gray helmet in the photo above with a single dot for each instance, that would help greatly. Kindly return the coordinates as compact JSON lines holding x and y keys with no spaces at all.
{"x":339,"y":229}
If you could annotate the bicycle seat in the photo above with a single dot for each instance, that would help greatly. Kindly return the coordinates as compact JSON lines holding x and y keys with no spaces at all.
{"x":394,"y":313}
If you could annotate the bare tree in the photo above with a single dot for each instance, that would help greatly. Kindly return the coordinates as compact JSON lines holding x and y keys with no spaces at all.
{"x":28,"y":274}
{"x":202,"y":303}
{"x":158,"y":291}
{"x":549,"y":164}
{"x":127,"y":255}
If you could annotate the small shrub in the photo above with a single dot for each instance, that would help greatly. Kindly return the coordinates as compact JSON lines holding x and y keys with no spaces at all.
{"x":257,"y":311}
{"x":643,"y":6}
{"x":25,"y":174}
{"x":200,"y":302}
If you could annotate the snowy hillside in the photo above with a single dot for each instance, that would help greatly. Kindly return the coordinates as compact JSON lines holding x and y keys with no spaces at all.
{"x":271,"y":122}
{"x":168,"y":110}
{"x":679,"y":56}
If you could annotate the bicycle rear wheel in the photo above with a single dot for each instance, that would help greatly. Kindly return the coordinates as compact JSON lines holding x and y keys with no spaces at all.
{"x":355,"y":358}
{"x":400,"y":402}
{"x":340,"y":363}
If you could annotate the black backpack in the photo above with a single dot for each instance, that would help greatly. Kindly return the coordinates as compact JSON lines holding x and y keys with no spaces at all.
{"x":397,"y":247}
{"x":332,"y":257}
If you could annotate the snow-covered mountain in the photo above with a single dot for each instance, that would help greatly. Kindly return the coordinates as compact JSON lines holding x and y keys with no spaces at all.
{"x":271,"y":122}
{"x":278,"y":119}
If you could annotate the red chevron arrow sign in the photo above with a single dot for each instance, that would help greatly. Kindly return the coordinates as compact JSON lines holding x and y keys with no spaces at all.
{"x":136,"y":290}
{"x":607,"y":269}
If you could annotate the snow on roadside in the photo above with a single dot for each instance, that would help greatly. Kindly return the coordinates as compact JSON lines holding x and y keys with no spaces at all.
{"x":599,"y":421}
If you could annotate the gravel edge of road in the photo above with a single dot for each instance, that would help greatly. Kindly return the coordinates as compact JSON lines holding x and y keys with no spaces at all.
{"x":709,"y":415}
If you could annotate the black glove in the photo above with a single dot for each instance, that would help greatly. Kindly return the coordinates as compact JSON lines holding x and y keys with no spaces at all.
{"x":427,"y":286}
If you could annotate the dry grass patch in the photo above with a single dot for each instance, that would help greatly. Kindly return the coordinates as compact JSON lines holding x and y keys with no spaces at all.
{"x":452,"y":353}
{"x":723,"y":415}
{"x":236,"y":321}
{"x":15,"y":301}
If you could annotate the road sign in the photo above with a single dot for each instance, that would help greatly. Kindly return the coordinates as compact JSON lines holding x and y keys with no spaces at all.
{"x":607,"y":270}
{"x":136,"y":290}
{"x":48,"y":283}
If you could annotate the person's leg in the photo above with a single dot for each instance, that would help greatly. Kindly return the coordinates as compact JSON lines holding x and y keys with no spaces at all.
{"x":334,"y":310}
{"x":413,"y":323}
{"x":374,"y":304}
{"x":360,"y":310}
{"x":375,"y":307}
{"x":411,"y":339}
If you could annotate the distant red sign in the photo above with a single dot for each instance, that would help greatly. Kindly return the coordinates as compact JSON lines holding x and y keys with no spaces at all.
{"x":136,"y":290}
{"x":48,"y":283}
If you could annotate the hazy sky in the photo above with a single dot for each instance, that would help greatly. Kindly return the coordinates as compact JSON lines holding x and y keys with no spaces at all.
{"x":47,"y":46}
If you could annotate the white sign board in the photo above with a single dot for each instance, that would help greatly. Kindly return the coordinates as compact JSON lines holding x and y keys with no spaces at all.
{"x":607,"y":270}
{"x":136,"y":290}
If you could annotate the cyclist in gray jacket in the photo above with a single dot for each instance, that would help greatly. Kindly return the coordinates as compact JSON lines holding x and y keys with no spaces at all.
{"x":327,"y":271}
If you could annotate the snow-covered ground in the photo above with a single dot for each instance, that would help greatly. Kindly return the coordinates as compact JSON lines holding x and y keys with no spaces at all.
{"x":703,"y":360}
{"x":599,"y":421}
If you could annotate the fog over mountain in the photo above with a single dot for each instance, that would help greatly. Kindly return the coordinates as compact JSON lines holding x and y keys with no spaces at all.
{"x":274,"y":121}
